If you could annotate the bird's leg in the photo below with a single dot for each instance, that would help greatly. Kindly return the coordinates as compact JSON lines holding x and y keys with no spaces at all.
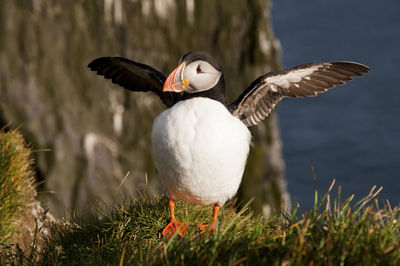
{"x":212,"y":227}
{"x":174,"y":225}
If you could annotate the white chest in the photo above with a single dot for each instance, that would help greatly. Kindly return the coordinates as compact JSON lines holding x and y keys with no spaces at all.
{"x":200,"y":151}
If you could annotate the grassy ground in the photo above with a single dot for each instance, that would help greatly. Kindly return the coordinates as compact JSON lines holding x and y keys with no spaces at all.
{"x":16,"y":182}
{"x":331,"y":233}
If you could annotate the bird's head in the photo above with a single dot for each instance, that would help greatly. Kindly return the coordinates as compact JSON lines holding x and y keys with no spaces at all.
{"x":198,"y":72}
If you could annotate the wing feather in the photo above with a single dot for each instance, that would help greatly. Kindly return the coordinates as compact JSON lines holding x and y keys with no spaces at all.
{"x":134,"y":76}
{"x":260,"y":98}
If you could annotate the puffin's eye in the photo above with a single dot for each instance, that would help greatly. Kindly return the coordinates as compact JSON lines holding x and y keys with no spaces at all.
{"x":198,"y":69}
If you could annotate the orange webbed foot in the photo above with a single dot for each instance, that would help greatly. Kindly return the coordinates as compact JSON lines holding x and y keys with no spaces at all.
{"x":212,"y":227}
{"x":202,"y":227}
{"x":205,"y":227}
{"x":174,"y":227}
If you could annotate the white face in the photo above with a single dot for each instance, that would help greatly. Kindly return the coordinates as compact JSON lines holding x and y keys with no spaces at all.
{"x":201,"y":76}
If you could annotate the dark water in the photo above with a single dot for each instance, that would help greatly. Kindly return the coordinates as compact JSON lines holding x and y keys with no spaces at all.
{"x":351,"y":133}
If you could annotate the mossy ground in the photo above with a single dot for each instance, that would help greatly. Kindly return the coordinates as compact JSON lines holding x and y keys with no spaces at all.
{"x":16,"y":182}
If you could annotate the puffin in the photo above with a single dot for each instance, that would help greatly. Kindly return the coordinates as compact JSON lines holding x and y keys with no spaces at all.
{"x":200,"y":143}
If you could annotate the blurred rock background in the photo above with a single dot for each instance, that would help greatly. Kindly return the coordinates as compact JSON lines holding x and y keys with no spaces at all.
{"x":88,"y":133}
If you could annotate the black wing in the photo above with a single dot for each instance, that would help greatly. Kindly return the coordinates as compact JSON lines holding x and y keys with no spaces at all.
{"x":134,"y":76}
{"x":260,"y":98}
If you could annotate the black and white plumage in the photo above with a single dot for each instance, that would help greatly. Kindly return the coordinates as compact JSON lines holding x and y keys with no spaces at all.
{"x":260,"y":98}
{"x":255,"y":103}
{"x":200,"y":144}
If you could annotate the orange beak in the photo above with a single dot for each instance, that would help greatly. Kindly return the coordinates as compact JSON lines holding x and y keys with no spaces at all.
{"x":175,"y":81}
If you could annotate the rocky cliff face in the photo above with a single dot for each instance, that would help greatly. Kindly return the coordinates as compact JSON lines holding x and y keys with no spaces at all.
{"x":89,"y":133}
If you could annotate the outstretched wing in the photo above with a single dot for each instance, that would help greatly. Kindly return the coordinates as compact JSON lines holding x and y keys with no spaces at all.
{"x":260,"y":98}
{"x":134,"y":76}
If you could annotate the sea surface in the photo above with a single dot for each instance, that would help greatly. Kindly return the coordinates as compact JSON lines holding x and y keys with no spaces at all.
{"x":350,"y":133}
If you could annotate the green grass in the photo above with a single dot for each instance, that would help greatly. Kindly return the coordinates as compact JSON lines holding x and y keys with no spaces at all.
{"x":333,"y":232}
{"x":16,"y":182}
